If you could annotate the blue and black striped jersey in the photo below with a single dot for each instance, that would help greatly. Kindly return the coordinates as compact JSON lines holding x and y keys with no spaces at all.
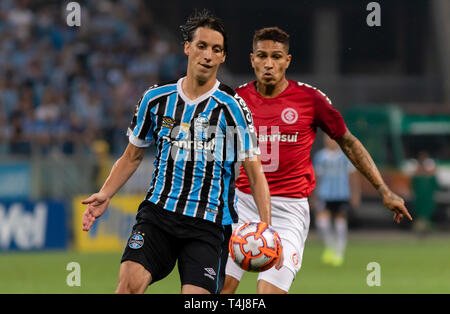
{"x":332,"y":169}
{"x":197,"y":143}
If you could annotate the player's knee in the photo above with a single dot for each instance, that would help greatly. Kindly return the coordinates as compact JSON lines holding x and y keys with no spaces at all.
{"x":129,"y":286}
{"x":341,"y":217}
{"x":125,"y":287}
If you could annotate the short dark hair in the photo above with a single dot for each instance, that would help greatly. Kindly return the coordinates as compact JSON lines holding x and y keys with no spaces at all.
{"x":206,"y":19}
{"x":272,"y":33}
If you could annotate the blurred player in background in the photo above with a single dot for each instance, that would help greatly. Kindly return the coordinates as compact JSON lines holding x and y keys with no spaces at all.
{"x":288,"y":113}
{"x":187,"y":214}
{"x":337,"y":189}
{"x":424,"y":186}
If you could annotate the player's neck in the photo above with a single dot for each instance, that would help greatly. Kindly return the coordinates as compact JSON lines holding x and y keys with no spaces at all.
{"x":271,"y":91}
{"x":194,"y":88}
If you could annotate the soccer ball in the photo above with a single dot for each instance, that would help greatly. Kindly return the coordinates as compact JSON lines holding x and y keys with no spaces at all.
{"x":255,"y":246}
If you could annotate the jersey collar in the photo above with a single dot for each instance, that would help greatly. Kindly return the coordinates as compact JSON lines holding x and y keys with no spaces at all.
{"x":199,"y":99}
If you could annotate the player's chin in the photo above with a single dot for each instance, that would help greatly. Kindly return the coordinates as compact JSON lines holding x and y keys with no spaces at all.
{"x":268,"y":80}
{"x":204,"y":77}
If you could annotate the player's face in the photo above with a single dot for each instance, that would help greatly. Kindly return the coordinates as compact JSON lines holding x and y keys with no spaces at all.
{"x":205,"y":53}
{"x":270,"y":60}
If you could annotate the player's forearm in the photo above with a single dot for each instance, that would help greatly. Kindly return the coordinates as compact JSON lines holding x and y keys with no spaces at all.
{"x":120,"y":173}
{"x":260,"y":188}
{"x":361,"y":159}
{"x":261,"y":195}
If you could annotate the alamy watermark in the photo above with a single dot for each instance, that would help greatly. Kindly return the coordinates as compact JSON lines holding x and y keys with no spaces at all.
{"x":73,"y":17}
{"x":73,"y":279}
{"x":374,"y":17}
{"x":208,"y":143}
{"x":373,"y":279}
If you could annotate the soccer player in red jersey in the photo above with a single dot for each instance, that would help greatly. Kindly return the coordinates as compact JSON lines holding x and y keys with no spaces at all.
{"x":287,"y":114}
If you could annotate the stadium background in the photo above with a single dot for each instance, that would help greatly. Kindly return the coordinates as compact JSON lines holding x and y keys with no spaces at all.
{"x":68,"y":93}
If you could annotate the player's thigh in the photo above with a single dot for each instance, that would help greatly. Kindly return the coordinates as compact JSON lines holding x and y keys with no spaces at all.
{"x":199,"y":265}
{"x":273,"y":280}
{"x":233,"y":270}
{"x":202,"y":258}
{"x":293,"y":228}
{"x":323,"y":214}
{"x":230,"y":286}
{"x":151,"y":247}
{"x":133,"y":278}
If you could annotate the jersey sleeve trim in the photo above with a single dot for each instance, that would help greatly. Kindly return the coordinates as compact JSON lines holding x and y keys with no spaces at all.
{"x":255,"y":151}
{"x":326,"y":117}
{"x":137,"y":141}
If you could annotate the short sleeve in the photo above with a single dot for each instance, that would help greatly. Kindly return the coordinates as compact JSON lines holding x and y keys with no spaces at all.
{"x":140,"y":130}
{"x":246,"y":134}
{"x":327,"y":118}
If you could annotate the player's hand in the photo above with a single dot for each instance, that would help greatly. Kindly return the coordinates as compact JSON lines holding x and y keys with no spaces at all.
{"x":96,"y":205}
{"x":396,"y":204}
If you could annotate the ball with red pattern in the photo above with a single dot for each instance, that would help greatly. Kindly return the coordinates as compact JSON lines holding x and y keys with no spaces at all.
{"x":255,"y":246}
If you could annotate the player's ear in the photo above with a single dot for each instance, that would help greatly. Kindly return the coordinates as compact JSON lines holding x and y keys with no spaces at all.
{"x":187,"y":44}
{"x":224,"y":56}
{"x":289,"y":58}
{"x":251,"y":59}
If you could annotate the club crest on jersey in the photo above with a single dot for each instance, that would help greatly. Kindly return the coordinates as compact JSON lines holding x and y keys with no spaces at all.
{"x":201,"y":124}
{"x":185,"y":126}
{"x":136,"y":240}
{"x":289,"y":116}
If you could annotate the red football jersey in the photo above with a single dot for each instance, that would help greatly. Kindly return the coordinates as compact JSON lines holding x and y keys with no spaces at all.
{"x":286,"y":127}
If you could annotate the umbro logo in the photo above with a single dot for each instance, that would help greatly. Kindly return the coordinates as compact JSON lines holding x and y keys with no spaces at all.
{"x":210,"y":273}
{"x":168,"y":122}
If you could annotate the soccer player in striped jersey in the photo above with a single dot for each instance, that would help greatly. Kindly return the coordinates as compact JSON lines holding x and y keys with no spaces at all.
{"x":200,"y":128}
{"x":287,"y":115}
{"x":337,"y":189}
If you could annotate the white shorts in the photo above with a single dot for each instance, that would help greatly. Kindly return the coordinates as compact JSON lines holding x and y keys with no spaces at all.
{"x":290,"y":218}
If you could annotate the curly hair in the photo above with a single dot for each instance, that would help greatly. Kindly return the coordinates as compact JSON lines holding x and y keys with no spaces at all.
{"x":206,"y":19}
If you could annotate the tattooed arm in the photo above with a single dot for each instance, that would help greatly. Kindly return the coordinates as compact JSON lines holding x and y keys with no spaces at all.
{"x":362,"y":160}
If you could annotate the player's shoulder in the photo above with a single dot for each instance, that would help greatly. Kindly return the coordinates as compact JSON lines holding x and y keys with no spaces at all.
{"x":226,"y":90}
{"x":244,"y":87}
{"x":227,"y":95}
{"x":160,"y":89}
{"x":231,"y":100}
{"x":312,"y":91}
{"x":307,"y":88}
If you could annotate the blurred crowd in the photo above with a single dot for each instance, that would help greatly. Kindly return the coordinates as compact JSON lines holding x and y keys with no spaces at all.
{"x":63,"y":87}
